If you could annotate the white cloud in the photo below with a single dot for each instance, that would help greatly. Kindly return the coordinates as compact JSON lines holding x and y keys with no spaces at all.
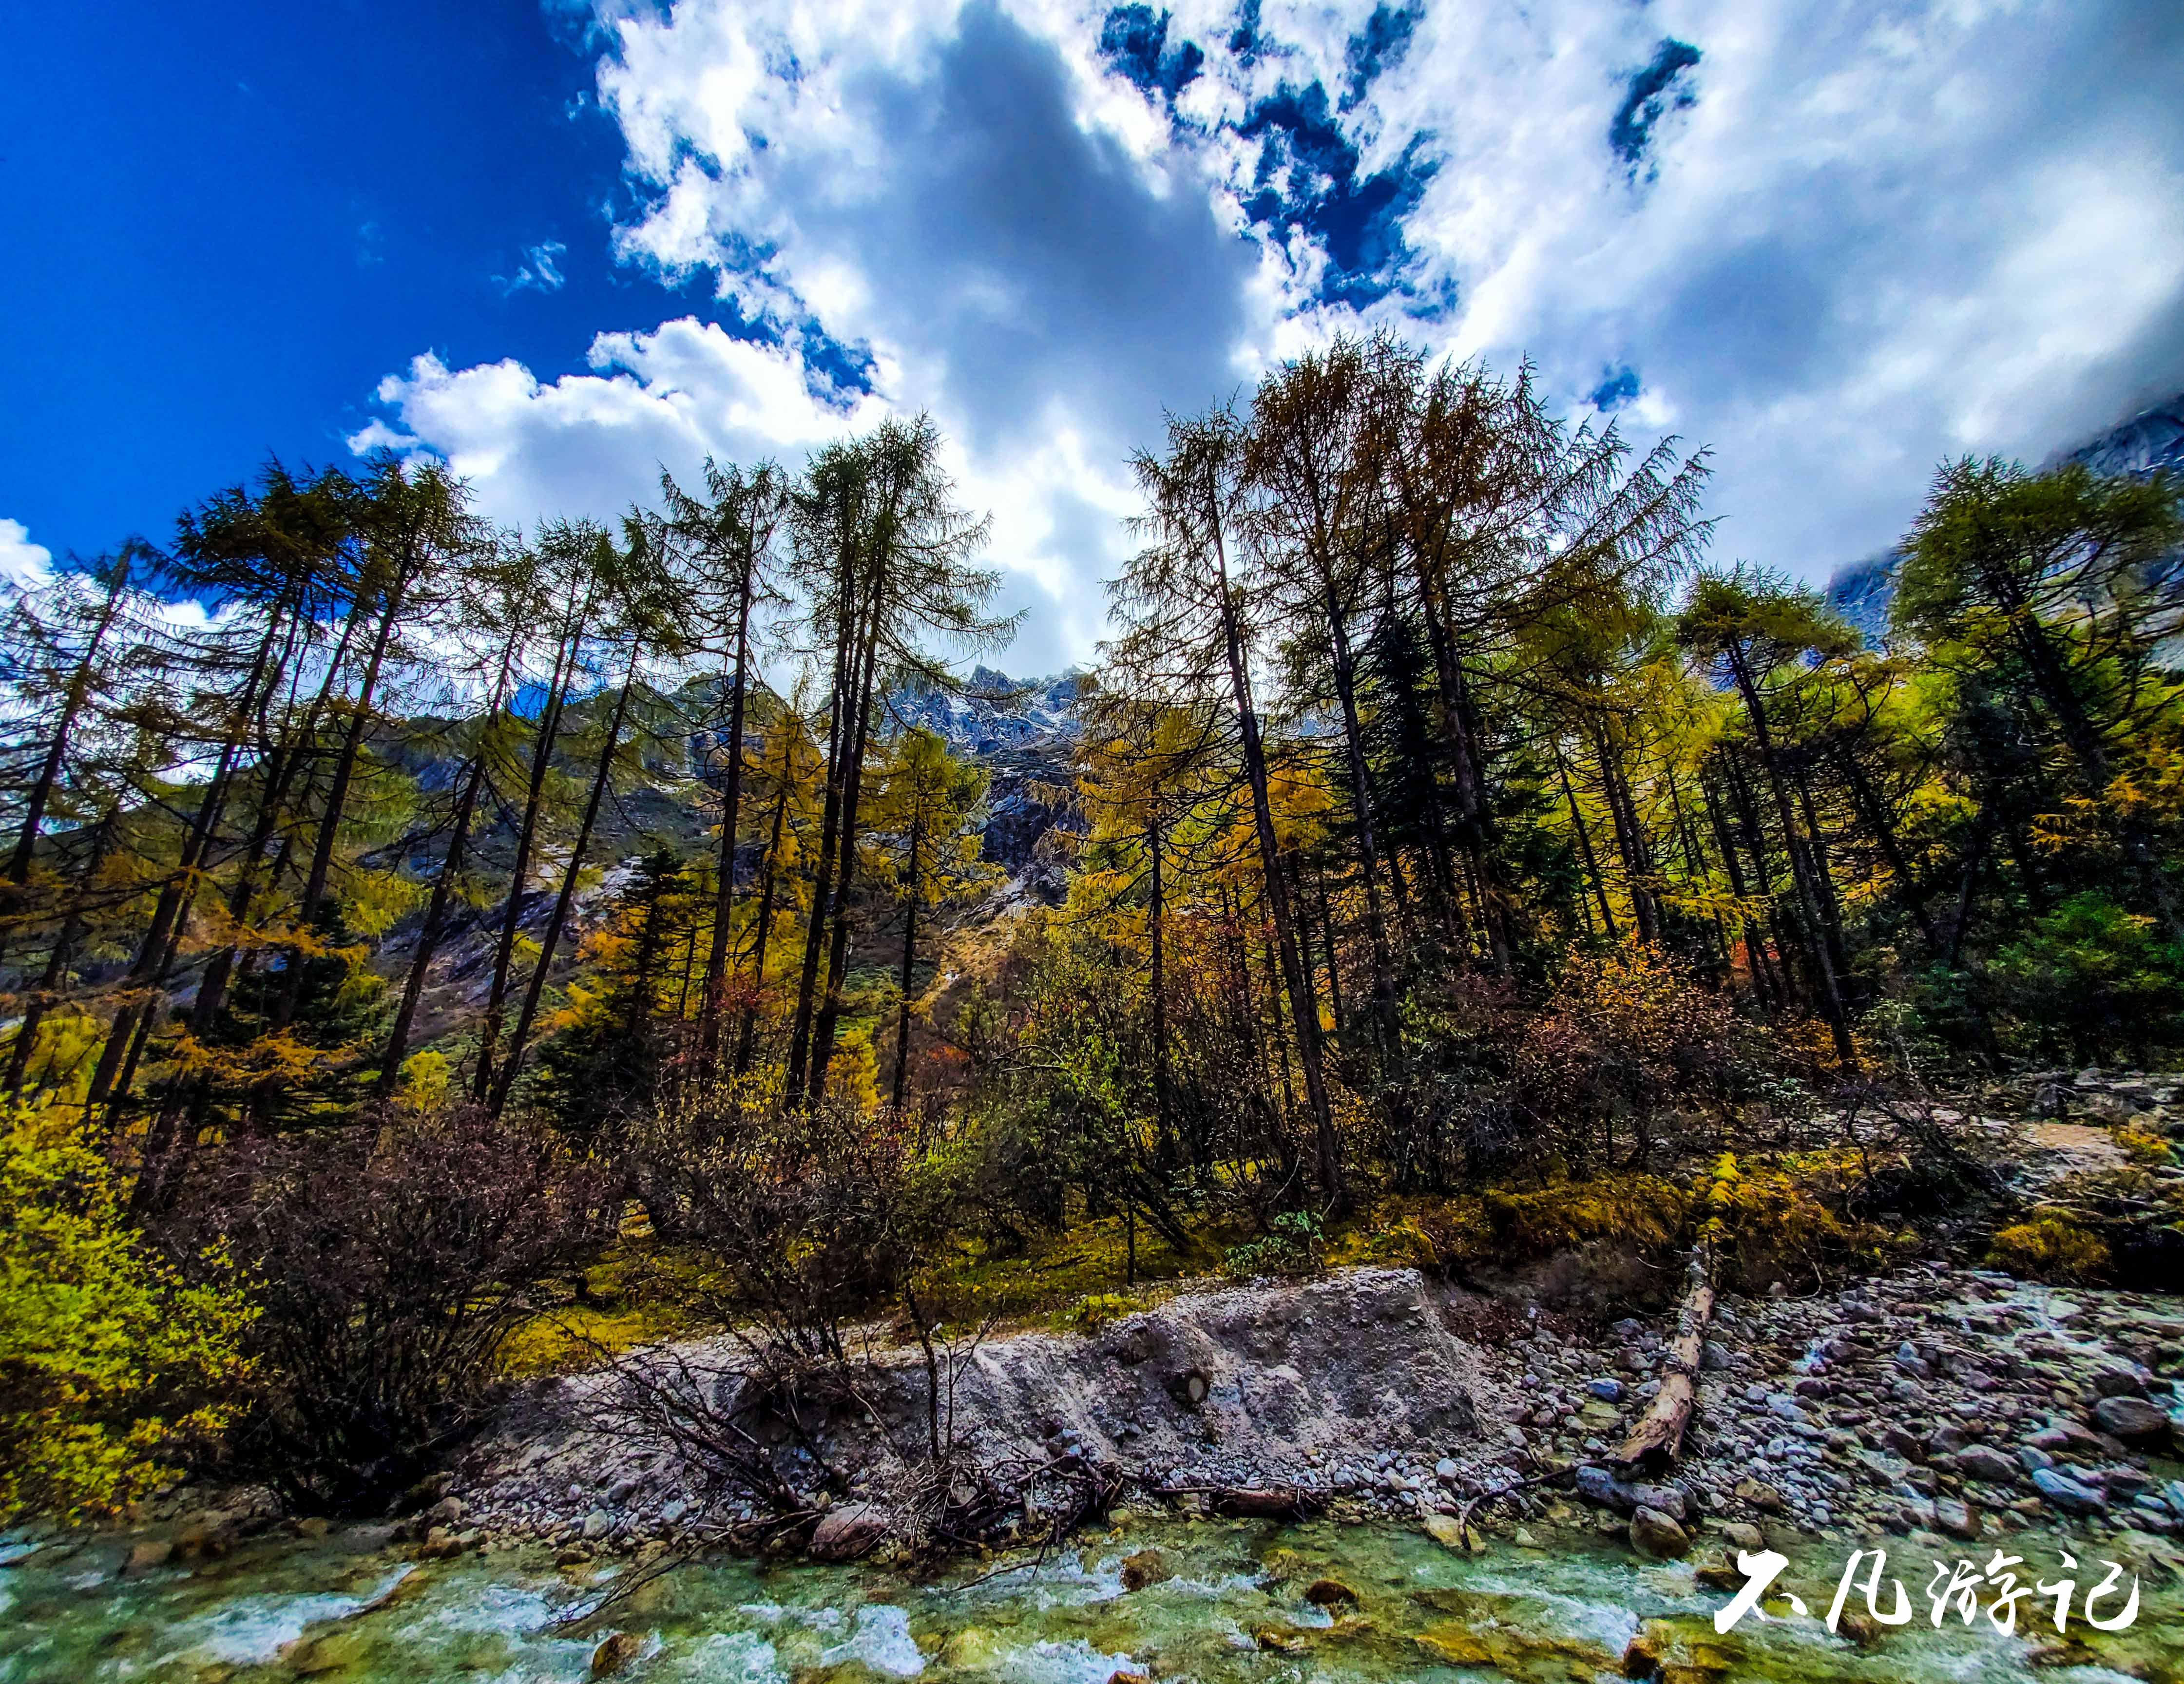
{"x":590,"y":443}
{"x":540,"y":271}
{"x":1878,"y":234}
{"x":23,"y":565}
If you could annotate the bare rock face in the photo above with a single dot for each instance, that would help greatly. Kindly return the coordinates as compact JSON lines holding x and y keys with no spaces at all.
{"x":849,"y":1532}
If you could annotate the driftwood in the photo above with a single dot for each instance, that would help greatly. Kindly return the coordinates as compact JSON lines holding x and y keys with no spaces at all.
{"x":1659,"y":1435}
{"x":1272,"y":1502}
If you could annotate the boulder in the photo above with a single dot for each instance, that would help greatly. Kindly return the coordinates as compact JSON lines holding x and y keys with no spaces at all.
{"x":1955,"y":1519}
{"x":1988,"y":1466}
{"x":1146,"y":1567}
{"x":1597,"y":1484}
{"x":1330,"y":1593}
{"x":2132,"y":1419}
{"x":1743,"y":1537}
{"x":849,"y":1530}
{"x":146,"y":1553}
{"x":1760,"y":1495}
{"x":2058,"y":1491}
{"x":1658,"y":1535}
{"x":614,"y":1652}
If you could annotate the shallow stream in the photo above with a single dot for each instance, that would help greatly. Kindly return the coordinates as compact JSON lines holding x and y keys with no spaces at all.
{"x":344,"y":1608}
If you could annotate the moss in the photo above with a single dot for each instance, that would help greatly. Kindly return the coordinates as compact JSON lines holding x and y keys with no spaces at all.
{"x":2050,"y":1248}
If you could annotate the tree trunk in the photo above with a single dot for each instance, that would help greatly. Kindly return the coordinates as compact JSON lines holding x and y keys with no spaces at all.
{"x":516,"y":1043}
{"x":1585,"y":847}
{"x":1659,"y":1435}
{"x":526,"y":836}
{"x":1305,"y":1018}
{"x":767,"y":881}
{"x":716,"y":961}
{"x":909,"y":958}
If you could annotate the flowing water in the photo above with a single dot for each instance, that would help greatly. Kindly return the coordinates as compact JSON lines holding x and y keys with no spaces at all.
{"x":340,"y":1608}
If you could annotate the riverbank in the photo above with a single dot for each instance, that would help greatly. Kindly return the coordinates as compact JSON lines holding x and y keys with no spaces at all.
{"x":1211,"y":1601}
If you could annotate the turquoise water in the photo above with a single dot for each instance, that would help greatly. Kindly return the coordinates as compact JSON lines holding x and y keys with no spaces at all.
{"x":1233,"y":1608}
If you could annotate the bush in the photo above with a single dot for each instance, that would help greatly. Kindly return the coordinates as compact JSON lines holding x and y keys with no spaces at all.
{"x":1770,"y":1223}
{"x":111,"y":1366}
{"x":815,"y":1214}
{"x":2094,"y":979}
{"x":1627,"y":1036}
{"x":393,"y":1260}
{"x":1293,"y":1246}
{"x":2050,"y":1248}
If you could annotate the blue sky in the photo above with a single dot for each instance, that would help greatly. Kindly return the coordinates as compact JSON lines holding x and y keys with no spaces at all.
{"x":1834,"y":240}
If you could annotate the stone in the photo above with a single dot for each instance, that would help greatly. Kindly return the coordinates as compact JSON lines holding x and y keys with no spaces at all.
{"x":447,"y":1511}
{"x":2060,"y":1490}
{"x":1146,"y":1567}
{"x":1597,"y":1484}
{"x":849,"y":1530}
{"x":1658,"y":1535}
{"x":145,"y":1553}
{"x":597,"y":1524}
{"x":2122,"y":1484}
{"x":1945,"y":1440}
{"x":1955,"y":1519}
{"x":1607,"y":1389}
{"x":614,"y":1652}
{"x":1760,"y":1495}
{"x":2132,"y":1419}
{"x":1895,"y":1439}
{"x":1330,"y":1593}
{"x":2118,"y":1383}
{"x":313,"y":1526}
{"x":1743,"y":1536}
{"x":2062,"y":1439}
{"x":1988,"y":1466}
{"x":2029,"y":1458}
{"x":1714,"y":1356}
{"x":673,"y":1510}
{"x":1447,"y":1471}
{"x":1443,"y":1529}
{"x":1667,"y":1499}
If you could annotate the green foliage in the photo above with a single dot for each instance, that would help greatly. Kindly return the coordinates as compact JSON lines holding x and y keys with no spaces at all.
{"x":112,"y":1367}
{"x":1294,"y":1244}
{"x":2092,"y":976}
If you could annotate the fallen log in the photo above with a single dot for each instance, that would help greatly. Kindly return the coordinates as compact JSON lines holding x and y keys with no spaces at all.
{"x":1658,"y":1437}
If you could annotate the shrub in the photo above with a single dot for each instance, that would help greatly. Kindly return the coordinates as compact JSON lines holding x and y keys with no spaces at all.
{"x":393,"y":1260}
{"x":1641,"y":1212}
{"x":1293,"y":1246}
{"x":2094,"y":978}
{"x":111,"y":1366}
{"x":2050,"y":1248}
{"x":1627,"y":1035}
{"x":1770,"y":1223}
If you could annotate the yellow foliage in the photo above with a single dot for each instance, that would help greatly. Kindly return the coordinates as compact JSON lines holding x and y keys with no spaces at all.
{"x":425,"y":1081}
{"x":109,"y":1363}
{"x":2142,"y":1147}
{"x":2050,"y":1248}
{"x":1643,"y":1211}
{"x":1769,"y":1222}
{"x":1095,"y":1310}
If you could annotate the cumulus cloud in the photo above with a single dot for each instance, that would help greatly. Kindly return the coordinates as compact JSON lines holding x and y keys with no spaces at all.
{"x":1836,"y":240}
{"x":23,"y":566}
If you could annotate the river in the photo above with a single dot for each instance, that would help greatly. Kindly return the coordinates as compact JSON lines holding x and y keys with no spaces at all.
{"x":1232,"y":1606}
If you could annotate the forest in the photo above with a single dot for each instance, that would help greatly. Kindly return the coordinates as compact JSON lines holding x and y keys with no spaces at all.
{"x":433,"y":947}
